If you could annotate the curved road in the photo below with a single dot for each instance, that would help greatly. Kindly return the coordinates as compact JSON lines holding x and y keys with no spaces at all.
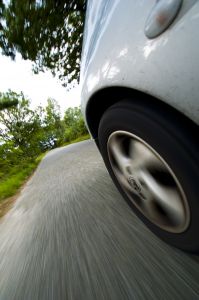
{"x":71,"y":236}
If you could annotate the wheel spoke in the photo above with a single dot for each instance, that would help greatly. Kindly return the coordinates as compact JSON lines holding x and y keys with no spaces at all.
{"x":148,"y":181}
{"x":120,"y":157}
{"x":142,"y":157}
{"x":147,"y":207}
{"x":164,"y":198}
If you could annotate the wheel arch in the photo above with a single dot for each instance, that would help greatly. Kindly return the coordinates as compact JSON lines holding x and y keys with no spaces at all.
{"x":101,"y":100}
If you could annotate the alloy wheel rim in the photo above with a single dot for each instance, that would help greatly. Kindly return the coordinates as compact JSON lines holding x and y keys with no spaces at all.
{"x":148,"y":181}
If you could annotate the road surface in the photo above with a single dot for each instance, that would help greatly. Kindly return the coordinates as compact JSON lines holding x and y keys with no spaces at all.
{"x":70,"y":235}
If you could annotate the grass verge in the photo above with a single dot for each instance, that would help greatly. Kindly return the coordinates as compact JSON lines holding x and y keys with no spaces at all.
{"x":79,"y":139}
{"x":16,"y":177}
{"x":14,"y":181}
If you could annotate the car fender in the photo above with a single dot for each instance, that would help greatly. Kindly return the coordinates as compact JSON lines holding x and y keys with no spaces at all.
{"x":116,"y":52}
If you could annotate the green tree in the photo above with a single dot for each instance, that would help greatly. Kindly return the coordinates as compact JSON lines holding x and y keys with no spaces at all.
{"x":74,"y":124}
{"x":6,"y":102}
{"x":47,"y":32}
{"x":20,"y":125}
{"x":52,"y":125}
{"x":10,"y":156}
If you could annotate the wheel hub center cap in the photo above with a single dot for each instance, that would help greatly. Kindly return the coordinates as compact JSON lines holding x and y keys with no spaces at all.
{"x":135,"y":185}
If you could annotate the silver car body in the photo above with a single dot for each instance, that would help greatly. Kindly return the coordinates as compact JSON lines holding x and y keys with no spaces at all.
{"x":118,"y":55}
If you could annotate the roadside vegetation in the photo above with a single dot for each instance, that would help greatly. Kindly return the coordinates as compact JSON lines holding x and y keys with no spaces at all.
{"x":27,"y":134}
{"x":50,"y":34}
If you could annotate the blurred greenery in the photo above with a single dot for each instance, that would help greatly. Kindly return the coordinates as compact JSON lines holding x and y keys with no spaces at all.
{"x":47,"y":32}
{"x":25,"y":134}
{"x":7,"y":102}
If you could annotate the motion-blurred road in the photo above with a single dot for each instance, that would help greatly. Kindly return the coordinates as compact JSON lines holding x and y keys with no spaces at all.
{"x":70,"y":235}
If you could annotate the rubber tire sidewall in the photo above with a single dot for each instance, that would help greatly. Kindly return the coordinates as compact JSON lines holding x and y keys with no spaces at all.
{"x":174,"y":146}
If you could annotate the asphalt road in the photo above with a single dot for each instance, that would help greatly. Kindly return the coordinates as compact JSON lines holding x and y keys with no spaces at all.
{"x":70,"y":235}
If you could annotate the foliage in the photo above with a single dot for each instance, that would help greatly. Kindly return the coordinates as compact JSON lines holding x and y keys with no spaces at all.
{"x":52,"y":125}
{"x":10,"y":184}
{"x":26,"y":133}
{"x":7,"y":102}
{"x":47,"y":32}
{"x":21,"y":125}
{"x":74,"y":124}
{"x":77,"y":140}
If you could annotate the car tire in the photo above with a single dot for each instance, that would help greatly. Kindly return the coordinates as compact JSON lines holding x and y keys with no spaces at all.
{"x":150,"y":152}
